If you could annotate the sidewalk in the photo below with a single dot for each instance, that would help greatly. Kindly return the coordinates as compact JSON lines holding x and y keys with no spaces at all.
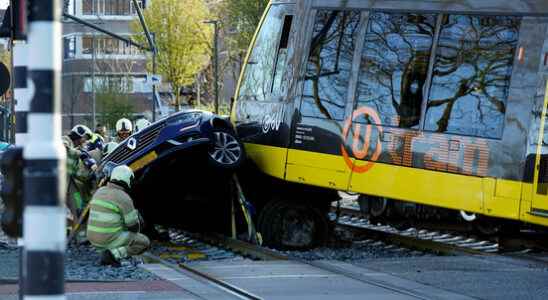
{"x":146,"y":290}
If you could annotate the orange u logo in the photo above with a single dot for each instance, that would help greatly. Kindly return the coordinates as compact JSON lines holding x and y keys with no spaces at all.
{"x":356,"y":151}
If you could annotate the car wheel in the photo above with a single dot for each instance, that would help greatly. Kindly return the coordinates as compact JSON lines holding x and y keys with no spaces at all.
{"x":226,"y":150}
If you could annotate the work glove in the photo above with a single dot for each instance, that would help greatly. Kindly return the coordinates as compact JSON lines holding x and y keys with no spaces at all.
{"x":88,"y":161}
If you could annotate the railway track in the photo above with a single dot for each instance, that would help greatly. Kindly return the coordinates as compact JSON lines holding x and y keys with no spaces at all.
{"x":257,"y":252}
{"x":228,"y":290}
{"x":532,"y":248}
{"x":444,"y":243}
{"x":350,"y":220}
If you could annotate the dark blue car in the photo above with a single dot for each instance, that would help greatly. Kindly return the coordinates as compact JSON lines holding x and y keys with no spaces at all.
{"x":176,"y":135}
{"x":183,"y":165}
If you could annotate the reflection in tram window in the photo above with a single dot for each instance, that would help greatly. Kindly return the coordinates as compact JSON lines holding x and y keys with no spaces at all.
{"x":257,"y":80}
{"x":394,"y":66}
{"x":472,"y":75}
{"x":329,"y":64}
{"x":281,"y":76}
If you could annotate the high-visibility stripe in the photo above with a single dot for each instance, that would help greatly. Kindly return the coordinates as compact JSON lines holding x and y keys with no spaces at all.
{"x":131,"y":218}
{"x":105,"y":204}
{"x":104,"y":229}
{"x":77,"y":200}
{"x":105,"y":217}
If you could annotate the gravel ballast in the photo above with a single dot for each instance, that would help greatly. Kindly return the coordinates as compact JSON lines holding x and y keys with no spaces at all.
{"x":81,"y":264}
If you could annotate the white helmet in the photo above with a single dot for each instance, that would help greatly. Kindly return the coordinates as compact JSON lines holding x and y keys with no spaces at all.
{"x":124,"y":125}
{"x":140,"y":124}
{"x":122,"y":174}
{"x":108,"y":148}
{"x":82,"y":131}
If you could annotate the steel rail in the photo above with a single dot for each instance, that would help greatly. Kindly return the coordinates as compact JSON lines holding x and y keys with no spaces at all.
{"x":252,"y":250}
{"x":219,"y":284}
{"x":423,"y":240}
{"x":241,"y":247}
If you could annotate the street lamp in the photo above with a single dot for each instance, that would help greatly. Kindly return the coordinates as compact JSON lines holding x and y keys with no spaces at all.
{"x":216,"y":59}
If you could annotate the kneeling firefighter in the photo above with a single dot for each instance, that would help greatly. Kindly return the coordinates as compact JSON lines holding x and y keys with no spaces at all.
{"x":114,"y":223}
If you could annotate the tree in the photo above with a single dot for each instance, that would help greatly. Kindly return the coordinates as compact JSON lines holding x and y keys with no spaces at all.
{"x":181,"y":38}
{"x":241,"y":18}
{"x":113,"y":104}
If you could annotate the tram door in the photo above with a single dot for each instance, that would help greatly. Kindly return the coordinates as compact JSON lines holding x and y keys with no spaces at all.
{"x":540,"y":179}
{"x":315,"y":155}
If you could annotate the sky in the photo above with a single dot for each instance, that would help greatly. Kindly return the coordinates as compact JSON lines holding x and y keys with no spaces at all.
{"x":4,"y":4}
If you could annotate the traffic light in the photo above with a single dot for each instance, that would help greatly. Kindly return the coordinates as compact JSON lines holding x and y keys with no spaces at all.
{"x":15,"y":20}
{"x":11,"y":166}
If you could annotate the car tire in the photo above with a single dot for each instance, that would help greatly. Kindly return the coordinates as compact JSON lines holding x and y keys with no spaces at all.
{"x":226,"y":150}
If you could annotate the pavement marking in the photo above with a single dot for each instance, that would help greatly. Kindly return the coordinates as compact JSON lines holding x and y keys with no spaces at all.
{"x":106,"y":292}
{"x":283,"y":276}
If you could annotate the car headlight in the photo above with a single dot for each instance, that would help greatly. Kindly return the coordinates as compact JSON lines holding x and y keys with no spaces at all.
{"x":191,"y":117}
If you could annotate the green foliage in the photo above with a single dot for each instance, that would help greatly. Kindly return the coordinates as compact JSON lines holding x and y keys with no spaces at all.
{"x":182,"y":39}
{"x":112,"y":105}
{"x":243,"y":17}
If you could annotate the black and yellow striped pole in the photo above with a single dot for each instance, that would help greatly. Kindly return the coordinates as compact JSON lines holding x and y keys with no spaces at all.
{"x":44,"y":174}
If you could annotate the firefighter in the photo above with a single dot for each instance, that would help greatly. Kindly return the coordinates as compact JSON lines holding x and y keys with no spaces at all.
{"x":95,"y":142}
{"x":78,"y":162}
{"x":123,"y":129}
{"x":114,"y":224}
{"x":102,"y":131}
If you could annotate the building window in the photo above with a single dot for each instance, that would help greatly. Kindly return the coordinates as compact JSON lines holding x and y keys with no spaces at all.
{"x":108,"y":46}
{"x":87,"y":45}
{"x":329,"y":64}
{"x":394,"y":67}
{"x":117,"y":84}
{"x":110,"y":7}
{"x":472,"y":75}
{"x":69,"y":47}
{"x":87,"y":7}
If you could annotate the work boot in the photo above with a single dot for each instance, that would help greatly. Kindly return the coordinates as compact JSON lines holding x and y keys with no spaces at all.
{"x":107,"y":259}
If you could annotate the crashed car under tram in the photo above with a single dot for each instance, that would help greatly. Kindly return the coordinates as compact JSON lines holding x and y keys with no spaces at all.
{"x":183,"y":165}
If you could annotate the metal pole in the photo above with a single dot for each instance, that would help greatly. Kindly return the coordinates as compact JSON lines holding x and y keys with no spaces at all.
{"x":112,"y":34}
{"x":93,"y":96}
{"x":44,"y":224}
{"x":216,"y":25}
{"x":154,"y":72}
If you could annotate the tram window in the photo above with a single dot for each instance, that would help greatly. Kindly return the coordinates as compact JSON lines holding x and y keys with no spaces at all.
{"x":329,"y":64}
{"x":280,"y":82}
{"x":257,"y":80}
{"x":471,"y":75}
{"x":394,"y":67}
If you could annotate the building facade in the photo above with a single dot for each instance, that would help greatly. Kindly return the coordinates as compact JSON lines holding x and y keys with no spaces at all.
{"x":101,"y":73}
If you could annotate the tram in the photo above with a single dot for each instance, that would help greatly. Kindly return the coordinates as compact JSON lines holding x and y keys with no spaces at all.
{"x":418,"y":106}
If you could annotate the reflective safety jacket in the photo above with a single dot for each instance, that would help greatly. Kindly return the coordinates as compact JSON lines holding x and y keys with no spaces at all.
{"x":112,"y":213}
{"x":73,"y":156}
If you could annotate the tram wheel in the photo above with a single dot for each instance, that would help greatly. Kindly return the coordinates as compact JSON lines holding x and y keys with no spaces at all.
{"x":289,"y":225}
{"x":487,"y":226}
{"x":378,"y":206}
